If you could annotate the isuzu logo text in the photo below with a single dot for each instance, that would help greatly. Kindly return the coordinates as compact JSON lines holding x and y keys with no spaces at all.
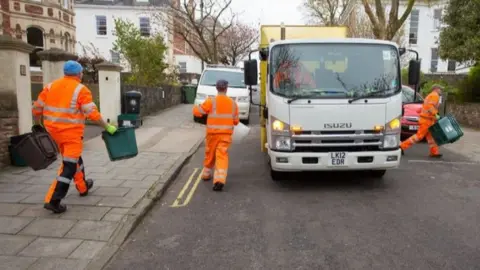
{"x":338,"y":125}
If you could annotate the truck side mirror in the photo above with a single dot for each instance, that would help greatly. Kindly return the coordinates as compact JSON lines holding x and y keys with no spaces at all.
{"x":414,"y":72}
{"x":250,"y":71}
{"x":402,"y":51}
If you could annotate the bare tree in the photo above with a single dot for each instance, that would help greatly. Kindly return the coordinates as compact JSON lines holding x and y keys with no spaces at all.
{"x":360,"y":26}
{"x":384,"y":27}
{"x":325,"y":12}
{"x":202,"y":35}
{"x":237,"y":42}
{"x":90,"y":57}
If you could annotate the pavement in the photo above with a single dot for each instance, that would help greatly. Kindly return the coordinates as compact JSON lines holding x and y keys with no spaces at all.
{"x":92,"y":229}
{"x":423,"y":215}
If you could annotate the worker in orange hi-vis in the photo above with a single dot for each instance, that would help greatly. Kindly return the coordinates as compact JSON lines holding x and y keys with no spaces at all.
{"x":428,"y":117}
{"x":222,"y":114}
{"x":64,"y":104}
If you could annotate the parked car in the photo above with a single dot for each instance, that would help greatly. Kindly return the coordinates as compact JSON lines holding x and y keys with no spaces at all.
{"x":411,"y":111}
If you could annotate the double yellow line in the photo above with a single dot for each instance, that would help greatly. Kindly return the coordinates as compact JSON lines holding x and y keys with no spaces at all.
{"x":178,"y":201}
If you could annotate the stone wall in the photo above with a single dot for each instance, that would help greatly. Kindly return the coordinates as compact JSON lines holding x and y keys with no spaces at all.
{"x":152,"y":98}
{"x":467,"y":114}
{"x":8,"y":124}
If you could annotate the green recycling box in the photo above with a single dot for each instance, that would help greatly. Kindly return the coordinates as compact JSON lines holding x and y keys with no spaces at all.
{"x":446,"y":130}
{"x":122,"y":144}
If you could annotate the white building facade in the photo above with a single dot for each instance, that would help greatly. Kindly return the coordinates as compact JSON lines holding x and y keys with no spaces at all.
{"x":422,"y":30}
{"x":96,"y":27}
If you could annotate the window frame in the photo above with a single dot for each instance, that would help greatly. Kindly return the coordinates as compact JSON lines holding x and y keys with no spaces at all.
{"x":98,"y":25}
{"x":434,"y":60}
{"x":144,"y":26}
{"x":413,"y":40}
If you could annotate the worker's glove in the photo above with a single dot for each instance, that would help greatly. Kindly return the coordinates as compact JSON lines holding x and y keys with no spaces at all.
{"x":111,"y":129}
{"x":437,"y":116}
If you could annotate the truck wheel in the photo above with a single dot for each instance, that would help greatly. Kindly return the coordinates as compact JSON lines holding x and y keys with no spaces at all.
{"x":277,"y":175}
{"x":378,"y":173}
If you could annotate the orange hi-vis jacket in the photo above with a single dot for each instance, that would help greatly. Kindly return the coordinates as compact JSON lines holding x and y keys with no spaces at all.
{"x":299,"y":73}
{"x":222,"y":114}
{"x":430,"y":106}
{"x":65,"y":104}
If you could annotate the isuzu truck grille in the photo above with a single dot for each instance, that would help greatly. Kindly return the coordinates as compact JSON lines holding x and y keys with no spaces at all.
{"x":337,"y":140}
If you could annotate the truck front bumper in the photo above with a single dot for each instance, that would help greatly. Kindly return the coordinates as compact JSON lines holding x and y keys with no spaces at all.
{"x":378,"y":160}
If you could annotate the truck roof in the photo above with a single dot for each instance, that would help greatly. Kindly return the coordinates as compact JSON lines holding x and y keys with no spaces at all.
{"x":334,"y":40}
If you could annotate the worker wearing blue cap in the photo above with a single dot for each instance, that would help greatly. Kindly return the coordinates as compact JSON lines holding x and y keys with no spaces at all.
{"x":64,"y":104}
{"x":222,"y":114}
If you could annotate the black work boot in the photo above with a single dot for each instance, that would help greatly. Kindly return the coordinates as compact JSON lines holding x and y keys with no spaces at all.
{"x":89,"y":183}
{"x":436,"y":156}
{"x":218,"y":186}
{"x":55,"y":206}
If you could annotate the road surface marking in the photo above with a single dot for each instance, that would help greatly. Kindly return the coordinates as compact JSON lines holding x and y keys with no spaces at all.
{"x":176,"y":203}
{"x":443,"y":162}
{"x":192,"y":191}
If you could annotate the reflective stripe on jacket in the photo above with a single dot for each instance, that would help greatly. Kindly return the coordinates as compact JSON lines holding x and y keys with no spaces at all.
{"x":64,"y":104}
{"x":222,"y":114}
{"x":430,"y":106}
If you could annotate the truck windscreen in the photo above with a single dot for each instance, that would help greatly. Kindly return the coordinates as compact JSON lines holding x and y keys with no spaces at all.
{"x":326,"y":70}
{"x":234,"y":78}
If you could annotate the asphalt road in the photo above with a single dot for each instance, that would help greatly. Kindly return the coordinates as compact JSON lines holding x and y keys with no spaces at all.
{"x":422,"y":216}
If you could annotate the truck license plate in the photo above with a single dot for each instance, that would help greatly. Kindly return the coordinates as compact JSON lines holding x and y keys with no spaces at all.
{"x":337,"y":158}
{"x":413,"y":127}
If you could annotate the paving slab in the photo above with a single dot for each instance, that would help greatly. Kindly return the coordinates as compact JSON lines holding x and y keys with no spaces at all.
{"x":37,"y":210}
{"x":79,"y":212}
{"x":111,"y":191}
{"x":11,"y":209}
{"x":92,"y":230}
{"x":87,"y":250}
{"x":51,"y":247}
{"x":16,"y":263}
{"x":12,"y":244}
{"x":12,"y":225}
{"x":58,"y":263}
{"x":13,"y":197}
{"x":48,"y":227}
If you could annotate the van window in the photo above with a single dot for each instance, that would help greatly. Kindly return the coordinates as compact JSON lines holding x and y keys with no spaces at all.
{"x":234,"y":79}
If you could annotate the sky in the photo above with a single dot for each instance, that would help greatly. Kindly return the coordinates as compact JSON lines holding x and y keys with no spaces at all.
{"x":269,"y":11}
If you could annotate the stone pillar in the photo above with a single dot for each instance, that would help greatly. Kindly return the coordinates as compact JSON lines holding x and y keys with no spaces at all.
{"x":52,"y":63}
{"x":109,"y":90}
{"x":15,"y":92}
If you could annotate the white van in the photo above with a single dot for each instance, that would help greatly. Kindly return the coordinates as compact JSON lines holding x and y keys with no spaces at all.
{"x":237,"y":89}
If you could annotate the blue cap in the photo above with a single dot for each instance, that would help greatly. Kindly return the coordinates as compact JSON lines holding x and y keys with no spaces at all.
{"x":71,"y":68}
{"x":222,"y":84}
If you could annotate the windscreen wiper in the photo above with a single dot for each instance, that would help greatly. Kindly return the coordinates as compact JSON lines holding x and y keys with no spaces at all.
{"x":296,"y":97}
{"x":371,"y":94}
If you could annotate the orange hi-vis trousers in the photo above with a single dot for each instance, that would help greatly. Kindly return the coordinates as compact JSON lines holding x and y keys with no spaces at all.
{"x":72,"y":167}
{"x":422,"y":132}
{"x":216,"y":155}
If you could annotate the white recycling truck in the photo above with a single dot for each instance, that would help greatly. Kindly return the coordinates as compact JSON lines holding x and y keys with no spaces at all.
{"x":328,"y":102}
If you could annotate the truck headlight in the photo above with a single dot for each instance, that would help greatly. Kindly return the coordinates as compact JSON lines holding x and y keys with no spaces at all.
{"x":280,"y":135}
{"x":283,"y":143}
{"x":391,"y":138}
{"x":201,"y":96}
{"x":243,"y":99}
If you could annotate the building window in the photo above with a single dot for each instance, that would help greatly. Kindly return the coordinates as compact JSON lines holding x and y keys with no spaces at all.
{"x":452,"y":65}
{"x":434,"y":60}
{"x":183,"y":67}
{"x":437,"y":19}
{"x":101,"y":25}
{"x":115,"y":57}
{"x":145,"y":27}
{"x":413,"y":33}
{"x":35,"y":38}
{"x":65,"y":4}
